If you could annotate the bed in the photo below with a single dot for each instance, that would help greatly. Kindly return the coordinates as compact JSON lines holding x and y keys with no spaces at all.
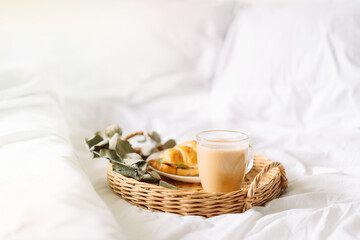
{"x":286,"y":73}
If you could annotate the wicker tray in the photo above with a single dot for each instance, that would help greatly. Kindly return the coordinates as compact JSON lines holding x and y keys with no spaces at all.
{"x":264,"y":182}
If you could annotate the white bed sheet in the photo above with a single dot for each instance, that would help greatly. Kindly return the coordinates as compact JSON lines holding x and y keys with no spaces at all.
{"x":323,"y":169}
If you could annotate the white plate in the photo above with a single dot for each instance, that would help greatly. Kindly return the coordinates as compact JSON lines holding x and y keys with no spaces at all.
{"x":191,"y":179}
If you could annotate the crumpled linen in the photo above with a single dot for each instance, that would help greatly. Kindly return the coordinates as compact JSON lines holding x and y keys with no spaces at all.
{"x":44,"y":192}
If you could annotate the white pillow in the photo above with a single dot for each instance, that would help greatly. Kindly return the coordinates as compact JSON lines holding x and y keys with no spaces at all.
{"x":127,"y":49}
{"x":44,"y":192}
{"x":291,"y":64}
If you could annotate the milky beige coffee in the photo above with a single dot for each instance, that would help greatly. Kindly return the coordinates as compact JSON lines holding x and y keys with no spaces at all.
{"x":222,"y":161}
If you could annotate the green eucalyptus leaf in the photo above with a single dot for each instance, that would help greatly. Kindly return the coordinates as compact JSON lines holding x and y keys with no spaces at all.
{"x":142,"y":167}
{"x":132,"y":158}
{"x":155,"y":175}
{"x":111,"y":130}
{"x":108,"y":144}
{"x":149,"y":178}
{"x":113,"y":141}
{"x":101,"y":134}
{"x":153,"y":150}
{"x":167,"y":185}
{"x":155,"y":137}
{"x":103,"y":145}
{"x":95,"y":154}
{"x":93,"y":141}
{"x":123,"y":147}
{"x":109,"y":154}
{"x":126,"y":170}
{"x":169,"y":144}
{"x":96,"y":150}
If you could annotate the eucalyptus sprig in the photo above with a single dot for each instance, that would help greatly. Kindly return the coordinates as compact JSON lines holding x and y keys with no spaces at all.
{"x":109,"y":144}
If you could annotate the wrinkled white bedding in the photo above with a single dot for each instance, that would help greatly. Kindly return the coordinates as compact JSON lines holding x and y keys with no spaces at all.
{"x":323,"y":168}
{"x":44,"y":192}
{"x":50,"y":188}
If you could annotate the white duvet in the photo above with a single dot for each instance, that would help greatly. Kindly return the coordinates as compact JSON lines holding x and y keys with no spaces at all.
{"x":45,"y":193}
{"x":50,"y":188}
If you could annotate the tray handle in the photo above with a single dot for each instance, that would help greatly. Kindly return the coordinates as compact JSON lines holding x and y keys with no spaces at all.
{"x":251,"y":192}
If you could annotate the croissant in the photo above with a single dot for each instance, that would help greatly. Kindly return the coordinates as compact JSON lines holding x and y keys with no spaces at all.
{"x":180,"y":160}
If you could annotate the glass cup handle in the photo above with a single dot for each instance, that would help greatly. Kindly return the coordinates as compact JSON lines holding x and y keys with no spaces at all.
{"x":251,"y":159}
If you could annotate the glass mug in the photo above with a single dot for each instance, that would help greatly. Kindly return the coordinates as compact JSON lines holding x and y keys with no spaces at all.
{"x":224,"y":157}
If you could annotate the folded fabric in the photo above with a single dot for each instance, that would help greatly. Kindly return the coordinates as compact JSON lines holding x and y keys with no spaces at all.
{"x":292,"y":64}
{"x":44,"y":193}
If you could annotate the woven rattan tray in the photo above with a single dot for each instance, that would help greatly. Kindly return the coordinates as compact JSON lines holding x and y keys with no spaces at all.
{"x":264,"y":182}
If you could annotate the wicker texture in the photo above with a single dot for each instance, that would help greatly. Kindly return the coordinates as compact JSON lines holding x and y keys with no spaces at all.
{"x":264,"y":182}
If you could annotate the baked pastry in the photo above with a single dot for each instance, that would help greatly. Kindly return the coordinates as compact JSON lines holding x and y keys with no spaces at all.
{"x":179,"y":160}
